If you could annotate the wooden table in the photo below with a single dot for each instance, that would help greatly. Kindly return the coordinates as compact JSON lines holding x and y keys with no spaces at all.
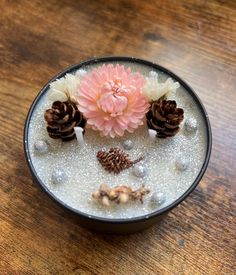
{"x":194,"y":38}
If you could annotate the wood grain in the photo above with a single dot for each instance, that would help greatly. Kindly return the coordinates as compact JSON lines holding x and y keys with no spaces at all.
{"x":194,"y":38}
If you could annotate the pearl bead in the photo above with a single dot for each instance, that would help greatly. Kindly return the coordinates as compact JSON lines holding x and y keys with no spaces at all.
{"x":182,"y":164}
{"x":59,"y":176}
{"x":41,"y":146}
{"x":140,"y":171}
{"x":128,"y":144}
{"x":157,"y":198}
{"x":190,"y":126}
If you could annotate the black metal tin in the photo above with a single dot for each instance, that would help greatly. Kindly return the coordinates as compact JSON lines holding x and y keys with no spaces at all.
{"x":120,"y":226}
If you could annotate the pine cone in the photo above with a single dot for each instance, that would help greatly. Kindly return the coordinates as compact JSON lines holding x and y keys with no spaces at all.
{"x":164,"y":117}
{"x":61,"y":120}
{"x":115,"y":160}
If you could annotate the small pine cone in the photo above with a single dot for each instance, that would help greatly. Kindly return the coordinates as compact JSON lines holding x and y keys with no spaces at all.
{"x":164,"y":117}
{"x":115,"y":160}
{"x":61,"y":120}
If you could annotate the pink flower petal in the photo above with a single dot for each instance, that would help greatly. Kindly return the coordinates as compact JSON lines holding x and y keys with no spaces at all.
{"x":111,"y":99}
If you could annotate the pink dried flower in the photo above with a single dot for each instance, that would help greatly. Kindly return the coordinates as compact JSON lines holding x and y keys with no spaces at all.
{"x":111,"y":99}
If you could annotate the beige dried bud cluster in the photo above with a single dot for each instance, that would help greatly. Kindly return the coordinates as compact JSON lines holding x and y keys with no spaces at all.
{"x":119,"y":194}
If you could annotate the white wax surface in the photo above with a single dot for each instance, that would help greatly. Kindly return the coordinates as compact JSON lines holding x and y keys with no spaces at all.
{"x":85,"y":174}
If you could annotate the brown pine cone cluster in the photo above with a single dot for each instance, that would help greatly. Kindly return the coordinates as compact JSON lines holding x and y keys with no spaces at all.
{"x":164,"y":117}
{"x":119,"y":194}
{"x":61,"y":120}
{"x":115,"y":160}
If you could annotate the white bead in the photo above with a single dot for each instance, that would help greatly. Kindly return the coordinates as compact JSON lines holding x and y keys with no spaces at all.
{"x":140,"y":171}
{"x":190,"y":125}
{"x":59,"y":176}
{"x":41,"y":146}
{"x":157,"y":198}
{"x":182,"y":164}
{"x":128,"y":144}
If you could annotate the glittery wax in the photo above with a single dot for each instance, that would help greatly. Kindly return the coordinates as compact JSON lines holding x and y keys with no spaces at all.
{"x":85,"y":174}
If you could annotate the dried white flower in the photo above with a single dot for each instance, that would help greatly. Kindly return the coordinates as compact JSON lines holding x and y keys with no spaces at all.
{"x":64,"y":89}
{"x":80,"y":73}
{"x":154,"y":90}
